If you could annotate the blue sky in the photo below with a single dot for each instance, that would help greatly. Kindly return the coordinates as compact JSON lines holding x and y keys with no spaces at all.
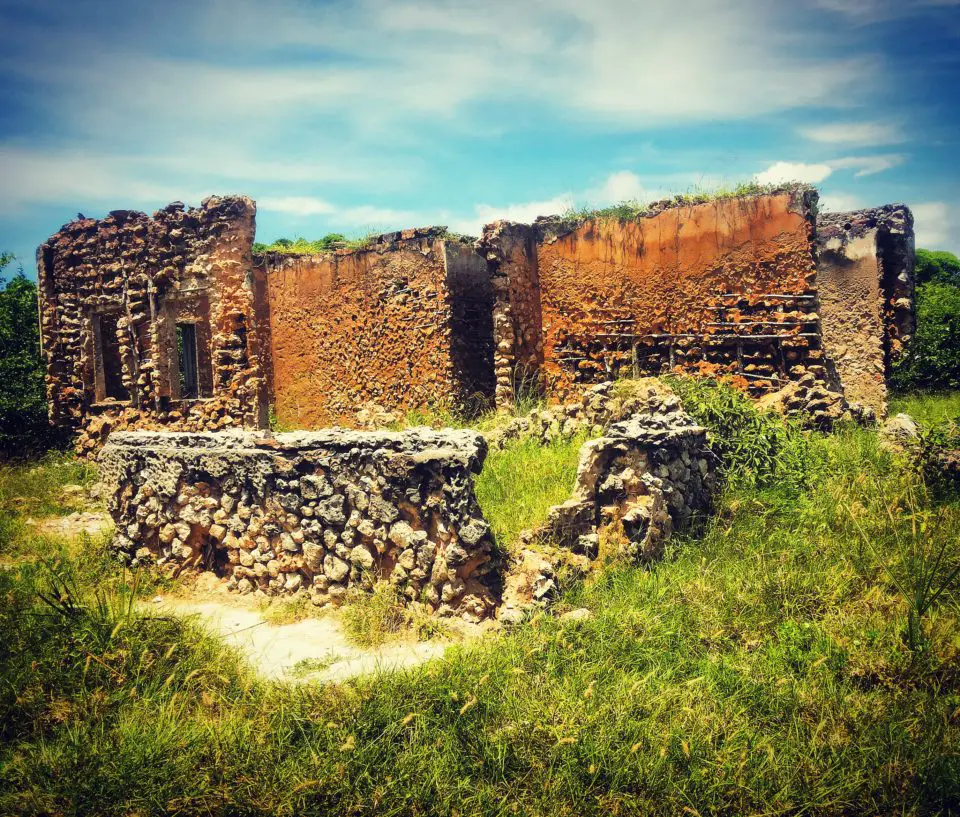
{"x":382,"y":114}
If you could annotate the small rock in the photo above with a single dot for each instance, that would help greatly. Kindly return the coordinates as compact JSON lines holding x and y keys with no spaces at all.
{"x":580,"y":614}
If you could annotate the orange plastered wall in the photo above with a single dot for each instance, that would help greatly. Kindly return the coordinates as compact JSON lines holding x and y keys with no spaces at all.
{"x":659,"y":274}
{"x":353,"y":328}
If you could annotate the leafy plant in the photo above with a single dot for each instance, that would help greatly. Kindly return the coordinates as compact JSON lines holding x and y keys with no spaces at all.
{"x":754,"y":447}
{"x":932,"y":359}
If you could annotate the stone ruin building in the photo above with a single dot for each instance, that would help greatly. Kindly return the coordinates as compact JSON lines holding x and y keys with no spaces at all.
{"x":171,"y":322}
{"x":171,"y":336}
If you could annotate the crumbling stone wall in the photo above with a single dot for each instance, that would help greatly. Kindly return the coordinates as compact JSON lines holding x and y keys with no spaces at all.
{"x":112,"y":294}
{"x":866,"y":293}
{"x":405,"y":323}
{"x":640,"y":480}
{"x":313,"y":511}
{"x":726,"y":286}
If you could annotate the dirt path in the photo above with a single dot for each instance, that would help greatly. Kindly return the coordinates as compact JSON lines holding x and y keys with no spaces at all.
{"x":314,"y":649}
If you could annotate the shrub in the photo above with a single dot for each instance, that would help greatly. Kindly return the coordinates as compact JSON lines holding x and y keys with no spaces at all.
{"x":755,"y":448}
{"x":24,"y":429}
{"x":933,"y":356}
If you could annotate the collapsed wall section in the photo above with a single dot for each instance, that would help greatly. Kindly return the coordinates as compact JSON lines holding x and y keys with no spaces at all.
{"x":317,"y":511}
{"x":866,"y":292}
{"x":726,"y":286}
{"x":151,"y":322}
{"x":404,"y":324}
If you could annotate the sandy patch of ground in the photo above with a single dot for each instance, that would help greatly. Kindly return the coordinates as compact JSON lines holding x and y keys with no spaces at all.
{"x":313,"y":649}
{"x":73,"y":525}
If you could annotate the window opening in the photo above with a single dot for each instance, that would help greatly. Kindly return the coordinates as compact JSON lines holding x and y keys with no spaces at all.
{"x":187,"y":357}
{"x":109,"y":357}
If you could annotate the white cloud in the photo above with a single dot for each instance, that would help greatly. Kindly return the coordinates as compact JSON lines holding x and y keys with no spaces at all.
{"x":815,"y":173}
{"x":865,"y":134}
{"x":33,"y":176}
{"x":868,"y":165}
{"x":296,"y":205}
{"x":523,"y":211}
{"x":620,"y":186}
{"x":385,"y":61}
{"x":840,"y":202}
{"x":794,"y":172}
{"x":935,"y":225}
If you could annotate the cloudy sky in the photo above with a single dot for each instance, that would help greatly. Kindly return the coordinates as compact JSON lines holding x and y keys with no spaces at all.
{"x":379,"y":114}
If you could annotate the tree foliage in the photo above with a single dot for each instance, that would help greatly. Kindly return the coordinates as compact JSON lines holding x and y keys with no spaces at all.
{"x":932,"y":360}
{"x":24,"y":428}
{"x":937,"y":267}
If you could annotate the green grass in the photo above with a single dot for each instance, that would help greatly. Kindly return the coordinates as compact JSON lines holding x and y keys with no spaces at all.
{"x":927,"y":408}
{"x":327,"y":244}
{"x":520,"y":482}
{"x":763,"y":668}
{"x":54,"y":486}
{"x":634,"y":208}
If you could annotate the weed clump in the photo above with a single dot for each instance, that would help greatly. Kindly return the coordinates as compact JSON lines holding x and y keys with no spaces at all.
{"x":754,"y":448}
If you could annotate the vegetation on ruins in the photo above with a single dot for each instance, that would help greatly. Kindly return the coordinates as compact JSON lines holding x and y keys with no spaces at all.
{"x":635,"y":208}
{"x":800,"y":654}
{"x":932,"y":360}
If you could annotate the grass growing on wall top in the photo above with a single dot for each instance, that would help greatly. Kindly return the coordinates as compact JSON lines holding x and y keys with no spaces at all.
{"x":764,"y":668}
{"x":631,"y":209}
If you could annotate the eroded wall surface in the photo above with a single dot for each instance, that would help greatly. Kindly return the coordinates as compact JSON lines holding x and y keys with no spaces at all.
{"x":726,"y":286}
{"x":112,"y":295}
{"x":310,"y":511}
{"x":404,"y":324}
{"x":866,"y":291}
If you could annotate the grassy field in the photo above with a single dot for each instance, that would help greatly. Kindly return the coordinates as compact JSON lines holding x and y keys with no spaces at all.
{"x":790,"y":660}
{"x":928,"y":407}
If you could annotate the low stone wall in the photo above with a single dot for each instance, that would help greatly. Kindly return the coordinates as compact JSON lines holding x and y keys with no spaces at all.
{"x":321,"y":511}
{"x":598,"y":407}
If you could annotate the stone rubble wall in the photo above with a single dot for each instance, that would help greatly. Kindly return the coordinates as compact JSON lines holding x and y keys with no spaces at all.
{"x":319,"y":512}
{"x":650,"y":474}
{"x":148,"y":274}
{"x":644,"y":478}
{"x":866,"y":295}
{"x":721,"y":287}
{"x":405,"y":323}
{"x":598,"y":407}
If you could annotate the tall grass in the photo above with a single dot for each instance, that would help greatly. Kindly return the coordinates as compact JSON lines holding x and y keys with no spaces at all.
{"x":763,"y":668}
{"x":519,"y":484}
{"x":928,"y":408}
{"x":35,"y":490}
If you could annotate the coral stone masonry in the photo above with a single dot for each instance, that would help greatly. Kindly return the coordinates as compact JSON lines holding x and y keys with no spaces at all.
{"x":866,"y":286}
{"x":151,"y":322}
{"x":405,"y":323}
{"x":170,"y":322}
{"x":726,"y":286}
{"x":167,"y":342}
{"x":320,"y":511}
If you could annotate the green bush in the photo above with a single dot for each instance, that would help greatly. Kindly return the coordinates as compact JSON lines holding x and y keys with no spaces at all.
{"x":755,"y":448}
{"x":301,"y":245}
{"x":933,"y":356}
{"x":937,"y":267}
{"x":24,"y":429}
